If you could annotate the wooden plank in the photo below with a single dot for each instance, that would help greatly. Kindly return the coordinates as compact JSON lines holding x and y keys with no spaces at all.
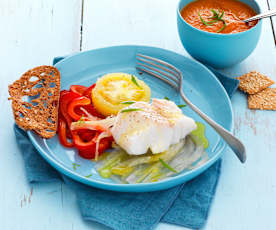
{"x":272,"y":5}
{"x":245,"y":197}
{"x":35,"y":31}
{"x":32,"y":33}
{"x":123,"y":22}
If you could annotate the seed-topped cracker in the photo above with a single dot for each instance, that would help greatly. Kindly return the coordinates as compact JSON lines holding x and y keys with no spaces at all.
{"x":35,"y":98}
{"x":264,"y":100}
{"x":254,"y":82}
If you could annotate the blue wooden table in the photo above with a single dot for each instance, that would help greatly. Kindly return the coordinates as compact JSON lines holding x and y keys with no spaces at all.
{"x":34,"y":31}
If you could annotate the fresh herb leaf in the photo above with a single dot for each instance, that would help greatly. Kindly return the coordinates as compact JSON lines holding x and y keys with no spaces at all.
{"x":133,"y":79}
{"x":82,"y":119}
{"x":217,"y":17}
{"x":181,"y":106}
{"x":215,"y":14}
{"x":166,"y":98}
{"x":220,"y":17}
{"x":127,"y":102}
{"x":223,"y":27}
{"x":130,"y":110}
{"x":75,"y":166}
{"x":206,"y":23}
{"x":167,"y":166}
{"x":89,"y":175}
{"x":212,"y":22}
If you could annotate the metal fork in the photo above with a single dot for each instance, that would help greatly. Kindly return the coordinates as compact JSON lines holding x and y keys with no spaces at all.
{"x":173,"y":76}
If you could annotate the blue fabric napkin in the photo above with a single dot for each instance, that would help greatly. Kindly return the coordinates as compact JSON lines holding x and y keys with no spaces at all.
{"x":186,"y":205}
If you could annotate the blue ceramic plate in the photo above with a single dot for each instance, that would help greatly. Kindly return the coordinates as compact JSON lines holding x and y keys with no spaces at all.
{"x":199,"y":84}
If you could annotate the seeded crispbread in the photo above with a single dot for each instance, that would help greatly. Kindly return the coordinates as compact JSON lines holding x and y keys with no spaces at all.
{"x":254,"y":82}
{"x":264,"y":100}
{"x":35,"y":98}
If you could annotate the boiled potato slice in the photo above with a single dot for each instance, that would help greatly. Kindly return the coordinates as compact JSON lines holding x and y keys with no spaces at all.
{"x":114,"y":88}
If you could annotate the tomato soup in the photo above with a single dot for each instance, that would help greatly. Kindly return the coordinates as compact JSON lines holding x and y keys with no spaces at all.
{"x":218,"y":16}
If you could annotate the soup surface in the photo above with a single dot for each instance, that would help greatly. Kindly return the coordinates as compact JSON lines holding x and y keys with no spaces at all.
{"x":218,"y":16}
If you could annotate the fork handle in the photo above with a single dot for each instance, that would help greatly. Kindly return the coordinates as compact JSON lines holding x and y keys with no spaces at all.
{"x":235,"y":144}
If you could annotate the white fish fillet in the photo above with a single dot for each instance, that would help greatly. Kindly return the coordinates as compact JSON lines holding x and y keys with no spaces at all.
{"x":155,"y":126}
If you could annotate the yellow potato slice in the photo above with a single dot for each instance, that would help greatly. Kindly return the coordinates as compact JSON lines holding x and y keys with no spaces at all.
{"x":114,"y":88}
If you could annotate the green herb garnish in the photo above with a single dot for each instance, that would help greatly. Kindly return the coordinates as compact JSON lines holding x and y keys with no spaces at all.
{"x":181,"y":106}
{"x":217,"y":17}
{"x":130,"y":110}
{"x":206,"y":23}
{"x":223,"y":27}
{"x":88,"y":175}
{"x":221,"y":15}
{"x":215,"y":14}
{"x":127,"y":102}
{"x":133,"y":79}
{"x":167,"y":166}
{"x":75,"y":166}
{"x":82,"y":119}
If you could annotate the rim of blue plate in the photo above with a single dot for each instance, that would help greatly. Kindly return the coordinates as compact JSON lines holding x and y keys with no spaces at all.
{"x":174,"y":180}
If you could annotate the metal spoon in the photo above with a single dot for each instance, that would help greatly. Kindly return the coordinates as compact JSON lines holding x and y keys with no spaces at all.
{"x":260,"y":16}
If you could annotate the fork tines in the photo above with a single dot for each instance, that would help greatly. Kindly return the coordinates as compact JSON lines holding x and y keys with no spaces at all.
{"x":160,"y":69}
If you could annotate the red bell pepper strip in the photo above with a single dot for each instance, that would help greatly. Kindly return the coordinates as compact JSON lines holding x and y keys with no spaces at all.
{"x":88,"y":91}
{"x":90,"y":109}
{"x":90,"y":153}
{"x":86,"y":135}
{"x":68,"y":131}
{"x":65,"y":98}
{"x":79,"y":89}
{"x":62,"y":129}
{"x":87,"y":149}
{"x":74,"y":103}
{"x":81,"y":144}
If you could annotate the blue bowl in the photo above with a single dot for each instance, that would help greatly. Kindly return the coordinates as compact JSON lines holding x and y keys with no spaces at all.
{"x":218,"y":50}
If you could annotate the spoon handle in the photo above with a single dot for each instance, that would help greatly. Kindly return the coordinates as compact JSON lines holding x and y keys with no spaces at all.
{"x":263,"y":15}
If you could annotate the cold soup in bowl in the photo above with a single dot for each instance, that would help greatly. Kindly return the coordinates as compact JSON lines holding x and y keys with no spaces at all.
{"x":218,"y":16}
{"x":212,"y":31}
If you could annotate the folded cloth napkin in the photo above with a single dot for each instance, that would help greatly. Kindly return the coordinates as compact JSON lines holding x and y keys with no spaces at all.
{"x":185,"y":205}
